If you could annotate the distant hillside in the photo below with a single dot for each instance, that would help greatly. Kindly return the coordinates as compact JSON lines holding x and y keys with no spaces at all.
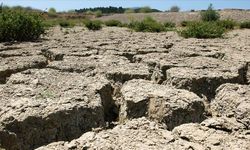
{"x":177,"y":17}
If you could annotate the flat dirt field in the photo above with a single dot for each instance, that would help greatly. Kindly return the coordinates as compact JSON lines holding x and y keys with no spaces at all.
{"x":117,"y":89}
{"x":178,"y":17}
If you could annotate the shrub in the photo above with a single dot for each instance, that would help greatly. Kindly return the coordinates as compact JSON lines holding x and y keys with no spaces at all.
{"x":203,"y":30}
{"x":89,"y":12}
{"x":98,"y":13}
{"x":227,"y":24}
{"x":129,"y":10}
{"x":66,"y":24}
{"x":147,"y":25}
{"x":185,"y":23}
{"x":52,"y":12}
{"x":245,"y":24}
{"x":20,"y":26}
{"x":93,"y":24}
{"x":210,"y":14}
{"x":174,"y":9}
{"x":145,"y":10}
{"x":169,"y":24}
{"x":112,"y":23}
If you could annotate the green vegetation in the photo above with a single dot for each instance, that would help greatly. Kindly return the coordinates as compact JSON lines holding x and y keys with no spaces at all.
{"x":63,"y":22}
{"x":174,"y":9}
{"x":186,"y":23}
{"x":227,"y":24}
{"x":147,"y":25}
{"x":145,"y":10}
{"x":93,"y":24}
{"x":114,"y":10}
{"x":52,"y":13}
{"x":203,"y":30}
{"x":168,"y":24}
{"x":210,"y":14}
{"x":20,"y":26}
{"x":66,"y":24}
{"x":112,"y":23}
{"x":129,"y":10}
{"x":52,"y":10}
{"x":245,"y":24}
{"x":98,"y":13}
{"x":105,"y":10}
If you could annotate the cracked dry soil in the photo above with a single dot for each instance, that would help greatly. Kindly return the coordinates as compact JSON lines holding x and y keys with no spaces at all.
{"x":117,"y":89}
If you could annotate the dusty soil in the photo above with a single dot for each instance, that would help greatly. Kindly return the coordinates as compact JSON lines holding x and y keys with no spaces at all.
{"x":178,"y":17}
{"x":118,"y":89}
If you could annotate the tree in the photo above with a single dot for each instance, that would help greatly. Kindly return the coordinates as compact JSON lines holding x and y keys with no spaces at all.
{"x":175,"y":9}
{"x":210,"y":14}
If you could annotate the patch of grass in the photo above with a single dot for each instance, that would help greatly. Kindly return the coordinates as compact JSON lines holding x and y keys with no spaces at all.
{"x":203,"y":30}
{"x":168,"y":24}
{"x":186,"y":23}
{"x":66,"y":24}
{"x":227,"y":24}
{"x":63,"y":22}
{"x":113,"y":23}
{"x":20,"y":26}
{"x":147,"y":25}
{"x":245,"y":24}
{"x":93,"y":24}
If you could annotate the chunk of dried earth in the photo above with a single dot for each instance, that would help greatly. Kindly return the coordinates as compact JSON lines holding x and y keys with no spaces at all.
{"x":41,"y":106}
{"x":12,"y":65}
{"x":162,"y":103}
{"x":233,"y":100}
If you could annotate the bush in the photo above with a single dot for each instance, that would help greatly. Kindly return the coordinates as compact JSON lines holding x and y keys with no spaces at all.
{"x":145,"y":10}
{"x":169,"y":24}
{"x":245,"y":24}
{"x":20,"y":26}
{"x":66,"y":24}
{"x":227,"y":24}
{"x":203,"y":30}
{"x":52,"y":12}
{"x":112,"y":23}
{"x":147,"y":25}
{"x":98,"y":13}
{"x":210,"y":14}
{"x":129,"y":10}
{"x":186,"y":23}
{"x":89,"y":12}
{"x":174,"y":9}
{"x":93,"y":25}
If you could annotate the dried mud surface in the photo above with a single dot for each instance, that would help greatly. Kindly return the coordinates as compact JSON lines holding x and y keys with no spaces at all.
{"x":118,"y":89}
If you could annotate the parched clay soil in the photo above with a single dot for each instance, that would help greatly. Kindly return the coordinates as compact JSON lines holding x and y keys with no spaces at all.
{"x":117,"y":89}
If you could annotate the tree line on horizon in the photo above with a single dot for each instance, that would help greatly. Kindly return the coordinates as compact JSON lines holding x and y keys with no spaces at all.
{"x":111,"y":9}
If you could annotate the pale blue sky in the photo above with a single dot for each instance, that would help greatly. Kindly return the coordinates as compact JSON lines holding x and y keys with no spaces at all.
{"x":62,"y":5}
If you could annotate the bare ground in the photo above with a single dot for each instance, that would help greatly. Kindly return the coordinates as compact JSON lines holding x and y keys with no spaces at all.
{"x":178,"y":17}
{"x":118,"y":89}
